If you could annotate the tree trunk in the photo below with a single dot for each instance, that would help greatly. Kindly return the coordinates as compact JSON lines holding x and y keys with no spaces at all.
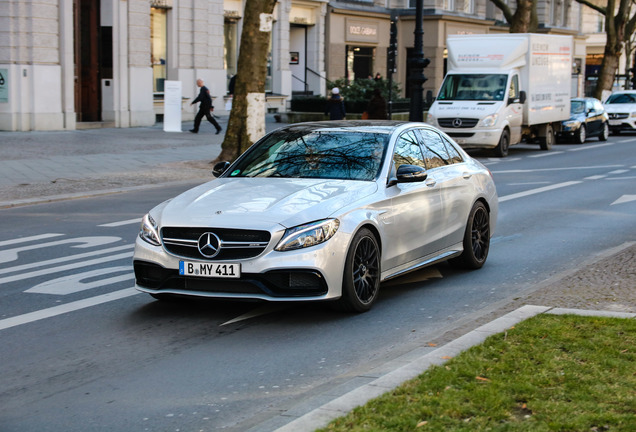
{"x":247,"y":118}
{"x":607,"y":73}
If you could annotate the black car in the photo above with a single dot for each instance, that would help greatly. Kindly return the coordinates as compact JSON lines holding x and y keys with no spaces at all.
{"x":587,"y":119}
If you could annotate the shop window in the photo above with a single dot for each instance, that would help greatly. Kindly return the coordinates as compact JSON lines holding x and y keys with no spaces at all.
{"x":158,"y":46}
{"x":360,"y":62}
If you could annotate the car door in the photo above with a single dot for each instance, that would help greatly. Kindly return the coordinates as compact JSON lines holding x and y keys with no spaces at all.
{"x":415,"y":210}
{"x":592,"y":118}
{"x":452,"y":179}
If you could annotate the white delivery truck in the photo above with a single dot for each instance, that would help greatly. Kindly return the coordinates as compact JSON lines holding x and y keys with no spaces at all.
{"x":502,"y":88}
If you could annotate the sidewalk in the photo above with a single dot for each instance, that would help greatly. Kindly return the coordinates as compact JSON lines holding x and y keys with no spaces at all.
{"x":46,"y":166}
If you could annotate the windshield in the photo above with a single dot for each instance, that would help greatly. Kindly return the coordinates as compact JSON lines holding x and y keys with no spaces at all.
{"x":337,"y":154}
{"x":621,"y":98}
{"x":473,"y":87}
{"x":577,"y":107}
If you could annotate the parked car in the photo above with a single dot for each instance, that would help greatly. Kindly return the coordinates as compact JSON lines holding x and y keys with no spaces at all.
{"x":621,"y":109}
{"x":321,"y":211}
{"x":587,"y":119}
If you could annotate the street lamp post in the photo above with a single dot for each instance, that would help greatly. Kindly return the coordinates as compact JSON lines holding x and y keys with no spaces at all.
{"x":418,"y":63}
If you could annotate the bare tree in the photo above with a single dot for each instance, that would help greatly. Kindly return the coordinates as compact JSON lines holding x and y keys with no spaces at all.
{"x":524,"y":19}
{"x":247,"y":118}
{"x":619,"y":28}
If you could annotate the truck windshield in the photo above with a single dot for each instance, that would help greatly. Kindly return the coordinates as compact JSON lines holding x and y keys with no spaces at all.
{"x":481,"y":87}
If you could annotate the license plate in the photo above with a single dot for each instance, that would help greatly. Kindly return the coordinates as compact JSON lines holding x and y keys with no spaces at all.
{"x":615,"y":122}
{"x":210,"y":270}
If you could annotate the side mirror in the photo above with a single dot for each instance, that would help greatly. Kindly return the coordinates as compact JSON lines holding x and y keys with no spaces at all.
{"x":411,"y":174}
{"x":220,"y":168}
{"x":522,"y":97}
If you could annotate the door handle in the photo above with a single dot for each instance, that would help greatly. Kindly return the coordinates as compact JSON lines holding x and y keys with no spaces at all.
{"x":467,"y":175}
{"x":430,"y":182}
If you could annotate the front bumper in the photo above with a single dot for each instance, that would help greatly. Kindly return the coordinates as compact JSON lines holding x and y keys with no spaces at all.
{"x":475,"y":138}
{"x":313,"y":273}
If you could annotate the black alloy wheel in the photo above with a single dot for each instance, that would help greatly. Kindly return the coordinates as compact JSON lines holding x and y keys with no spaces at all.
{"x":361,"y":279}
{"x":476,"y":239}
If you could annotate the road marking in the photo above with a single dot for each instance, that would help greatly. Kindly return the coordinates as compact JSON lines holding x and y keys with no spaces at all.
{"x":28,"y":239}
{"x":65,"y":267}
{"x":521,"y":171}
{"x":121,"y":223}
{"x":85,"y":243}
{"x":75,"y":257}
{"x":626,"y":141}
{"x":587,"y":147}
{"x":66,"y":308}
{"x":539,"y":155}
{"x":595,"y":177}
{"x":538,"y":190}
{"x":528,"y":183}
{"x":624,"y":199}
{"x":621,"y":171}
{"x":263,"y":310}
{"x":75,"y":283}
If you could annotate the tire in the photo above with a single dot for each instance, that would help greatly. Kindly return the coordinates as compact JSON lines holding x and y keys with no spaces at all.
{"x":581,"y":135}
{"x":476,"y":239}
{"x":504,"y":144}
{"x":604,"y":133}
{"x":361,"y":279}
{"x":547,"y":141}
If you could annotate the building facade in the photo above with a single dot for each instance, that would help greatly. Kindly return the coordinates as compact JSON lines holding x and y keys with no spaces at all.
{"x":68,"y":64}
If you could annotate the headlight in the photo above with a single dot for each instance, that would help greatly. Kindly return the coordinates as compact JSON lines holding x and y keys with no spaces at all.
{"x":148,"y":231}
{"x":490,"y":120}
{"x":308,"y":235}
{"x":572,"y":124}
{"x":633,"y":114}
{"x":430,"y":119}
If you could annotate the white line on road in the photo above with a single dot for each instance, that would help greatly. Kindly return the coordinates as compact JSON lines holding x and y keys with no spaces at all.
{"x":546,"y":154}
{"x":121,"y":223}
{"x":65,"y":267}
{"x":28,"y":239}
{"x":75,"y":257}
{"x":587,"y":147}
{"x":84,"y":243}
{"x":71,"y":284}
{"x":65,"y":308}
{"x":538,"y":190}
{"x":533,"y":170}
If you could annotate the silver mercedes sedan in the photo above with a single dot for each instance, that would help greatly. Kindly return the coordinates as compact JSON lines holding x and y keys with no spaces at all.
{"x":321,"y":211}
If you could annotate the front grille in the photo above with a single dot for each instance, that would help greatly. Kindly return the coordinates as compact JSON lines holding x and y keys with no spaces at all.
{"x":618,"y":116}
{"x":234,"y":243}
{"x":276,"y":283}
{"x":460,"y":134}
{"x":457,"y":122}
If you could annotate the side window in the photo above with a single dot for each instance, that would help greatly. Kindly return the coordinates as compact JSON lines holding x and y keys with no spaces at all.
{"x":514,"y":87}
{"x":435,"y":153}
{"x":454,"y":155}
{"x":408,"y":151}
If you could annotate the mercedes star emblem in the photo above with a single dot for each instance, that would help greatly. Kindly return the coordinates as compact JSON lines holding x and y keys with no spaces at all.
{"x":209,"y":245}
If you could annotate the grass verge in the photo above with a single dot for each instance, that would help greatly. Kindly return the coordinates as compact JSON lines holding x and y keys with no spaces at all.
{"x":548,"y":373}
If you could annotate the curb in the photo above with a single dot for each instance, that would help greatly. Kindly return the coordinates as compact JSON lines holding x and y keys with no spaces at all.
{"x":321,"y":416}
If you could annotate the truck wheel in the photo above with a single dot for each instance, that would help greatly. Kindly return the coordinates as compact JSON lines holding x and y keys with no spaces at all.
{"x":504,"y":143}
{"x":547,"y":141}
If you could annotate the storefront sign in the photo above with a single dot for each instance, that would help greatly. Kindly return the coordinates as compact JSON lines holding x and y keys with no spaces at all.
{"x":301,"y":15}
{"x":232,"y":8}
{"x":4,"y":85}
{"x":361,"y":31}
{"x":165,"y":4}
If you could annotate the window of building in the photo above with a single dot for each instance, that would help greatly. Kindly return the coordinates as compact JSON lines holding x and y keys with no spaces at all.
{"x":158,"y":46}
{"x":466,"y":6}
{"x":360,"y":62}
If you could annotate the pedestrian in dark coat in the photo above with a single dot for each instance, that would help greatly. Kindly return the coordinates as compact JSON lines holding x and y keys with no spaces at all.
{"x":377,"y":106}
{"x":335,"y":105}
{"x":205,"y":108}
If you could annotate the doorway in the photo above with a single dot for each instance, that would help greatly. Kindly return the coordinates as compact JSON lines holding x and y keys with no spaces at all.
{"x":359,"y":62}
{"x":87,"y":42}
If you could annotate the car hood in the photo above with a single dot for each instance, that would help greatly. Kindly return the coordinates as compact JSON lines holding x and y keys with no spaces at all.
{"x":620,"y":108}
{"x":261,"y":203}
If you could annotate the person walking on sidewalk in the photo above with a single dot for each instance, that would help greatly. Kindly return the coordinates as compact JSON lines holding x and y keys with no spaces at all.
{"x":205,"y":108}
{"x":335,"y":108}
